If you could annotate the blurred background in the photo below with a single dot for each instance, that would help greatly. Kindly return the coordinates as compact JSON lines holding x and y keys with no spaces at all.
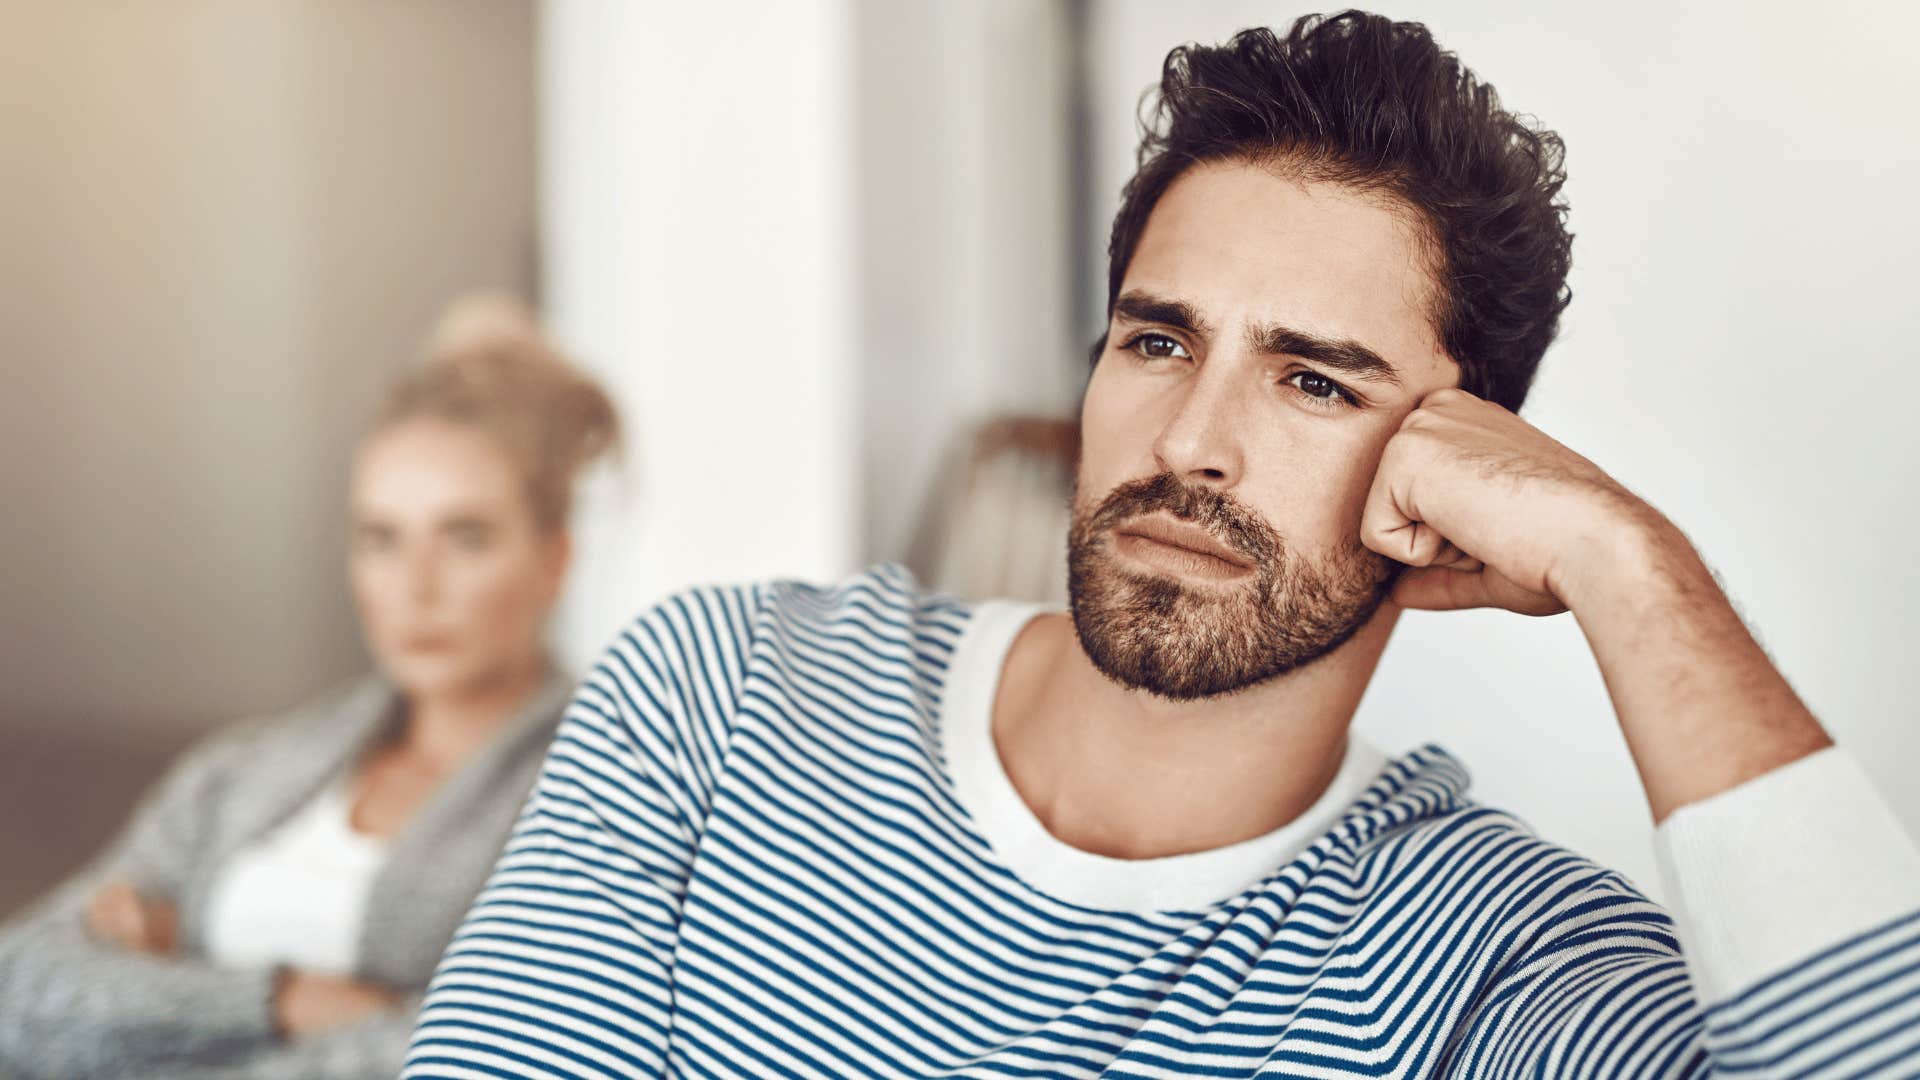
{"x":839,"y":260}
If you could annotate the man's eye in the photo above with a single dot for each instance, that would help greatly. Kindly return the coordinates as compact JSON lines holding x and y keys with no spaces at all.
{"x":1157,"y":347}
{"x":1324,"y":391}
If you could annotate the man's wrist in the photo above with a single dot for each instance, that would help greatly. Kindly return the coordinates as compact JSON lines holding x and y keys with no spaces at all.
{"x":1702,"y":706}
{"x":1629,"y":556}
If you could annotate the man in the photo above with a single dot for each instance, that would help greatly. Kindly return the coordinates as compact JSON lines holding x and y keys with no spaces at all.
{"x":798,"y":831}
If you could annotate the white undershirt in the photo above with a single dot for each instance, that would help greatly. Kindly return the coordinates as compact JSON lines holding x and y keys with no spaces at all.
{"x":1173,"y":882}
{"x":298,"y":895}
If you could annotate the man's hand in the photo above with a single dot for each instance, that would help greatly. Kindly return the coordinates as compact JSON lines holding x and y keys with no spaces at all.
{"x":1490,"y":512}
{"x":119,"y":915}
{"x":307,"y":1004}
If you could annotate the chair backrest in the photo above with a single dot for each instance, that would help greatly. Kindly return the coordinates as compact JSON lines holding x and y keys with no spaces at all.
{"x":997,"y":526}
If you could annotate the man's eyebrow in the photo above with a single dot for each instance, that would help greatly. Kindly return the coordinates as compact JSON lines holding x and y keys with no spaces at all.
{"x":1343,"y":355}
{"x":1146,"y":307}
{"x":1347,"y":356}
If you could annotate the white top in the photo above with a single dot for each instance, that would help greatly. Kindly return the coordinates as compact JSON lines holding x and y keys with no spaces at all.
{"x":1173,"y":882}
{"x":298,"y":895}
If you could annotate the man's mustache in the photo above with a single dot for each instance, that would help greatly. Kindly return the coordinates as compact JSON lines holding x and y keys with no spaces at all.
{"x":1216,"y":511}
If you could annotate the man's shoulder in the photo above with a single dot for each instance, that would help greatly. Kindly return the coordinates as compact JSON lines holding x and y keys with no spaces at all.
{"x":876,"y":619}
{"x":1421,"y":841}
{"x":688,"y":674}
{"x":884,"y":592}
{"x":881,"y":602}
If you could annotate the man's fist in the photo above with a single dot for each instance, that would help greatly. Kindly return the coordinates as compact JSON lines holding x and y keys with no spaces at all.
{"x":1489,"y":511}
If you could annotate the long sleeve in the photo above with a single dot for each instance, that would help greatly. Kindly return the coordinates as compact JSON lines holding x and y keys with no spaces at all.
{"x":1793,"y":950}
{"x":1797,"y":904}
{"x":71,"y":1006}
{"x":564,"y":965}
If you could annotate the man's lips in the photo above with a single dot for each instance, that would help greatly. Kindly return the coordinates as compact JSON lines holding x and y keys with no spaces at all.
{"x":1187,"y":537}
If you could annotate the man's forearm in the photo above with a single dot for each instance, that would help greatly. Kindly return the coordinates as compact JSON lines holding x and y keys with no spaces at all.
{"x":1702,"y":707}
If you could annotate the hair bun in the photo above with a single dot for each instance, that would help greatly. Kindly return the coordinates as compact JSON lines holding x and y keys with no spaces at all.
{"x":484,"y":319}
{"x":489,"y":364}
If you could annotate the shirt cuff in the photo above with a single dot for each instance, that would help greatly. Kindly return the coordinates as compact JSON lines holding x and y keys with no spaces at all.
{"x":1772,"y":871}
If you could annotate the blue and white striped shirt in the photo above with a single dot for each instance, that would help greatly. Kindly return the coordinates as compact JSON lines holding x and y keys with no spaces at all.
{"x":748,"y":856}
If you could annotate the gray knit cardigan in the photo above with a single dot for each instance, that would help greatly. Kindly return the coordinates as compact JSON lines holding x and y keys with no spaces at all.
{"x":73,"y":1007}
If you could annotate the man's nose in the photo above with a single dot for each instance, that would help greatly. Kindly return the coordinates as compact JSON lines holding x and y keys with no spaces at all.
{"x":1200,"y":441}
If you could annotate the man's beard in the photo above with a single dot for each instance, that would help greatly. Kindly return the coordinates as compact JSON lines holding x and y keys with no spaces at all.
{"x":1156,"y":633}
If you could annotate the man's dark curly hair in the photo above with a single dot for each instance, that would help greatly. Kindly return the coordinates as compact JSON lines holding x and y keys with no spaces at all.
{"x":1376,"y":105}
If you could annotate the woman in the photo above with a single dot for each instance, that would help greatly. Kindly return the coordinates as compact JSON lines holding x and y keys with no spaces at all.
{"x":278,"y":902}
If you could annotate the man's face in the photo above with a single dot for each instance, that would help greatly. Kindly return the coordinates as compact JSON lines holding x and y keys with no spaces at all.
{"x":1268,"y":338}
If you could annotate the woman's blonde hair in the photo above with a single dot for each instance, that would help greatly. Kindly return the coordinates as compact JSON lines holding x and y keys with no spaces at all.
{"x":489,"y":365}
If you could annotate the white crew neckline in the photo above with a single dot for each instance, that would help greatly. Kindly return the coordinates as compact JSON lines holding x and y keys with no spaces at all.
{"x":1169,"y":883}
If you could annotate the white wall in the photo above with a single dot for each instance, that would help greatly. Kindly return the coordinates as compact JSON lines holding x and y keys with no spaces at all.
{"x":966,"y":279}
{"x":697,"y":231}
{"x":806,"y":268}
{"x":1740,"y":350}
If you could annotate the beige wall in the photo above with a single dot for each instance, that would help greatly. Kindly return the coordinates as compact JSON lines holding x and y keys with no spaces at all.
{"x":222,"y":225}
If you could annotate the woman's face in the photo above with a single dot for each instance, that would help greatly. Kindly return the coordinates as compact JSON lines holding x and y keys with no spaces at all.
{"x":452,"y":577}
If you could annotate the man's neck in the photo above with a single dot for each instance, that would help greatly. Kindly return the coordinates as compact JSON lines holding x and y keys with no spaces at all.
{"x":1122,"y":773}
